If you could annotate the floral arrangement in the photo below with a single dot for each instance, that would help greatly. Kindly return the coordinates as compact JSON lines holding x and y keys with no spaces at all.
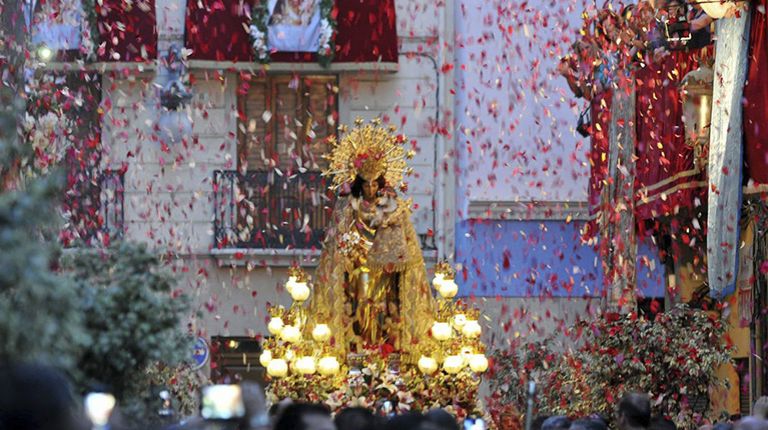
{"x":43,"y":134}
{"x":258,"y":31}
{"x":184,"y":384}
{"x":90,"y":30}
{"x":378,"y":385}
{"x":673,"y":358}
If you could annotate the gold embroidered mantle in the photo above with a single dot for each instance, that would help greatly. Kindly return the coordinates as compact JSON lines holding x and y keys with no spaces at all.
{"x":394,"y":255}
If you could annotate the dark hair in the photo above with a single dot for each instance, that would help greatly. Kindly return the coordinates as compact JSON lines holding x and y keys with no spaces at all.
{"x":36,"y":397}
{"x":409,"y":421}
{"x":292,"y":417}
{"x":538,"y":422}
{"x":636,"y":409}
{"x":558,"y":422}
{"x":723,"y":426}
{"x":357,"y":186}
{"x":588,"y":424}
{"x":442,"y":419}
{"x":355,"y":419}
{"x":661,"y":423}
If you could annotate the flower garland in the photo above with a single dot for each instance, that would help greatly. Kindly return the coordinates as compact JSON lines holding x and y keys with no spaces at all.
{"x":90,"y":30}
{"x":374,"y":383}
{"x":258,"y":31}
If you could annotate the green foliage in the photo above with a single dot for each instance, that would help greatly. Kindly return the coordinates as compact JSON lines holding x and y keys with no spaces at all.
{"x":184,"y":384}
{"x":672,"y":358}
{"x":131,"y":313}
{"x":40,"y":318}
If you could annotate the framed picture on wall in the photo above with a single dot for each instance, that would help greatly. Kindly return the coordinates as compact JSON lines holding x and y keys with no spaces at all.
{"x":294,"y":25}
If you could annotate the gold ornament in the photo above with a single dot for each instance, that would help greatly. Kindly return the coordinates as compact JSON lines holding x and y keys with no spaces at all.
{"x":369,"y":150}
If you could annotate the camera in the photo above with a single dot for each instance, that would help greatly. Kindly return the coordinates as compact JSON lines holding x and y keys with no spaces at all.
{"x":222,"y":402}
{"x":99,"y":407}
{"x":474,"y":424}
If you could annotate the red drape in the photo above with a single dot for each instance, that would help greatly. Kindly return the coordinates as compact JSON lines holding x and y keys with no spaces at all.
{"x":665,"y":178}
{"x":127,"y":31}
{"x":216,"y":30}
{"x":756,"y":96}
{"x":366,"y":32}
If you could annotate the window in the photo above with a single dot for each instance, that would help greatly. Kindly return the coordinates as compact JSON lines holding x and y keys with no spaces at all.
{"x":286,"y":121}
{"x":278,"y":199}
{"x":235,"y":359}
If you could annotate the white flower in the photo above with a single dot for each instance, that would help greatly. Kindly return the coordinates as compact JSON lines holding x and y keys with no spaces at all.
{"x":326,"y":32}
{"x":259,"y":42}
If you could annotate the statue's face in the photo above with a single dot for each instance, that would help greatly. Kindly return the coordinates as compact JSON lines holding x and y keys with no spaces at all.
{"x":370,"y":188}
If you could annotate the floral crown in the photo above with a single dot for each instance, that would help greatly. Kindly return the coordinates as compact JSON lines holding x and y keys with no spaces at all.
{"x":370,"y":151}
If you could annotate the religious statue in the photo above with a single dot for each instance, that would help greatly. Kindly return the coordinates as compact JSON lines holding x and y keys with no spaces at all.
{"x":371,"y":279}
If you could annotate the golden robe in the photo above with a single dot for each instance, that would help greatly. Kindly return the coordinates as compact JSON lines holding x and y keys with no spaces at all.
{"x":395,"y":305}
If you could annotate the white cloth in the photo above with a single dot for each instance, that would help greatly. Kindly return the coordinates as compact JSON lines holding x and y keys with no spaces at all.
{"x":725,"y":153}
{"x":286,"y":35}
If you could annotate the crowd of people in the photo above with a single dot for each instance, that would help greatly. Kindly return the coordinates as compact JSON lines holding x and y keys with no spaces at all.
{"x":35,"y":397}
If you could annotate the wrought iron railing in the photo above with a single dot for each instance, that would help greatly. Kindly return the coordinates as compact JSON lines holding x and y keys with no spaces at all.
{"x":264,"y":210}
{"x":95,"y":215}
{"x":258,"y":209}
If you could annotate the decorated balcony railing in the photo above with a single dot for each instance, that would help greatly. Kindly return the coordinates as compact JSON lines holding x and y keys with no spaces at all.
{"x":259,"y":209}
{"x":264,"y":210}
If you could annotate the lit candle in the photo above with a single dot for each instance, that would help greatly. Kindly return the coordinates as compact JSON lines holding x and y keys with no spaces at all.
{"x":478,"y":363}
{"x":300,"y":292}
{"x":290,"y":334}
{"x":265,"y":358}
{"x":321,"y":332}
{"x":471,"y":329}
{"x":328,"y":366}
{"x":427,"y":365}
{"x":275,"y":325}
{"x":305,"y":365}
{"x":453,"y":364}
{"x":441,"y":331}
{"x":277,"y":368}
{"x":448,"y":289}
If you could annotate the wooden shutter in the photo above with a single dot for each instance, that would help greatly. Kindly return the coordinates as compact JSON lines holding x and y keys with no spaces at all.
{"x":256,"y":133}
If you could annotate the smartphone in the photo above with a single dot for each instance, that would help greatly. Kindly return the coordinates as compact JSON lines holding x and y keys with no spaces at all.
{"x":99,"y":407}
{"x":474,"y":424}
{"x":222,"y":402}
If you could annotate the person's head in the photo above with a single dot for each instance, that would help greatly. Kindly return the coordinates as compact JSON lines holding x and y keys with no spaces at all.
{"x":538,"y":422}
{"x":634,"y":411}
{"x":588,"y":424}
{"x":752,"y":423}
{"x":409,"y":421}
{"x":367,"y":189}
{"x":304,"y":416}
{"x":760,"y":408}
{"x":661,"y":423}
{"x":723,"y":426}
{"x":442,"y":419}
{"x":37,"y":397}
{"x":355,"y":419}
{"x":557,"y":422}
{"x":256,"y":413}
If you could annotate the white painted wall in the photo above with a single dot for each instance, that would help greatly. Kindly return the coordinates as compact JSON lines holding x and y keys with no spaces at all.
{"x":515,"y":116}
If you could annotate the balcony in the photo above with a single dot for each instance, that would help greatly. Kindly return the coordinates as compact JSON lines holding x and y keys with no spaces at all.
{"x":95,"y":215}
{"x":274,"y":218}
{"x":263,"y":210}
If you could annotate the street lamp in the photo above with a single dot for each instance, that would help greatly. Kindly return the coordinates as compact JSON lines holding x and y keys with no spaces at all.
{"x":44,"y":53}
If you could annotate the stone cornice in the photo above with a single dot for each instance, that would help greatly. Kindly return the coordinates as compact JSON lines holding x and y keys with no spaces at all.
{"x":526,"y":211}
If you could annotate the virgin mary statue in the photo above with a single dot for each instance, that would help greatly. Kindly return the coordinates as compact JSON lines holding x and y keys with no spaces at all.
{"x":371,"y":282}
